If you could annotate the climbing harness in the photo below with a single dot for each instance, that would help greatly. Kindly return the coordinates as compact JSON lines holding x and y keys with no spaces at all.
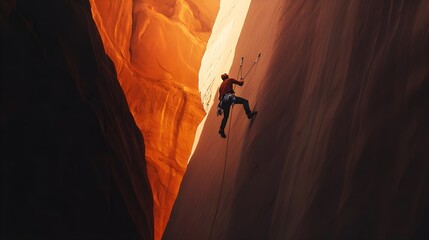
{"x":226,"y":98}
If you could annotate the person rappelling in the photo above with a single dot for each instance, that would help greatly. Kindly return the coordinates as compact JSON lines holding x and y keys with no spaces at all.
{"x":227,"y":98}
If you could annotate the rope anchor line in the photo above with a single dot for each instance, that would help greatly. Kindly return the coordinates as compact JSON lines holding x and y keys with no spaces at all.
{"x":240,"y":72}
{"x":254,"y":63}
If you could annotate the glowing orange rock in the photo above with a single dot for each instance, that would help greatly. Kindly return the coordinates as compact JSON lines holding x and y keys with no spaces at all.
{"x":157,"y":47}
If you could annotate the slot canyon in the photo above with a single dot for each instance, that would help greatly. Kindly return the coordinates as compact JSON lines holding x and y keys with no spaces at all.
{"x":109,"y":128}
{"x":157,"y":47}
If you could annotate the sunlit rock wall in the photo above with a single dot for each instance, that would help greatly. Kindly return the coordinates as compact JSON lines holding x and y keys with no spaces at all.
{"x":157,"y":47}
{"x":221,"y":48}
{"x":220,"y":52}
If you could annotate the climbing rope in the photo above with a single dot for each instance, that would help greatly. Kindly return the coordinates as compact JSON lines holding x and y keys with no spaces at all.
{"x":254,"y":63}
{"x":240,"y":73}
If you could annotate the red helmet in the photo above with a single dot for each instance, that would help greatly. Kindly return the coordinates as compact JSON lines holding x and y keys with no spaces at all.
{"x":224,"y":76}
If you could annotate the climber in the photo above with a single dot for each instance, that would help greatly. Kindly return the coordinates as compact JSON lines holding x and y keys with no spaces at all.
{"x":227,"y":98}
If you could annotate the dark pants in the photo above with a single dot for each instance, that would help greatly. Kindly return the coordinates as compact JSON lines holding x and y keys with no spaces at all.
{"x":227,"y":107}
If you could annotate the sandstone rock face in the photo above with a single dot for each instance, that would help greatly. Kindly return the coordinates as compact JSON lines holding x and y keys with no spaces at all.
{"x":220,"y":53}
{"x":72,"y":157}
{"x":339,"y":147}
{"x":157,"y":47}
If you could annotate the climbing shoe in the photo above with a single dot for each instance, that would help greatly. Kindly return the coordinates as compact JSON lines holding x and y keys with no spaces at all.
{"x":222,"y":133}
{"x":252,"y":114}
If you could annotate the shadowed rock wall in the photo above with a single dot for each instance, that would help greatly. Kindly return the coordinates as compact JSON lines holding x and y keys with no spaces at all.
{"x":339,"y":148}
{"x":72,"y":157}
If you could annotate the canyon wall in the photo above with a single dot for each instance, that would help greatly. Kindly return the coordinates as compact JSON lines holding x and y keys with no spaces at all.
{"x":157,"y":47}
{"x":220,"y":53}
{"x":72,"y":157}
{"x":339,"y":148}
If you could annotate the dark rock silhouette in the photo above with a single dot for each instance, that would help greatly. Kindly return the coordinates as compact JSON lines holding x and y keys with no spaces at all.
{"x":340,"y":146}
{"x":72,"y":158}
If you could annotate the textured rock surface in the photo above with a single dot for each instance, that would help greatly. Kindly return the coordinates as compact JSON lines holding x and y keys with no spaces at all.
{"x":157,"y":47}
{"x":340,"y":146}
{"x":220,"y":53}
{"x":72,"y":157}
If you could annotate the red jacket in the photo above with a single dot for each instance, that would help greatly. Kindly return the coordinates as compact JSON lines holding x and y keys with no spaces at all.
{"x":226,"y":86}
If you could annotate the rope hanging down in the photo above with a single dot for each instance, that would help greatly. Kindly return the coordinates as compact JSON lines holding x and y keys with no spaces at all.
{"x":240,"y":73}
